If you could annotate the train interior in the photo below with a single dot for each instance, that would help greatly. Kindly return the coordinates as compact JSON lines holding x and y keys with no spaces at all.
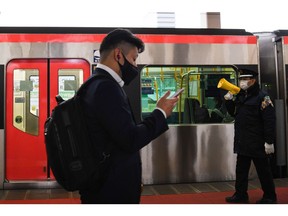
{"x":201,"y":100}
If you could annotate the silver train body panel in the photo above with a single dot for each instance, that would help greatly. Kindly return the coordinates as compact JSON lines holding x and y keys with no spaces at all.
{"x":186,"y":153}
{"x":154,"y":54}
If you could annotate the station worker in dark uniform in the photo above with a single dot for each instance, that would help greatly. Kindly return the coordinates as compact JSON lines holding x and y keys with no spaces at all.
{"x":254,"y":137}
{"x":111,"y":121}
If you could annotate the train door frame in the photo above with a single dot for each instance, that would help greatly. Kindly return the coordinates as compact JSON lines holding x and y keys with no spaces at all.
{"x":281,"y":70}
{"x":2,"y":120}
{"x":273,"y":70}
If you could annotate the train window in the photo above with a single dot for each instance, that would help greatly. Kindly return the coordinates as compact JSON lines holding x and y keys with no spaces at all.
{"x":34,"y":95}
{"x":69,"y":81}
{"x":26,"y":100}
{"x":200,"y":103}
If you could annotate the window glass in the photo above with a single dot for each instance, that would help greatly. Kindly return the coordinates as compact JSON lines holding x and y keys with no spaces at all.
{"x":200,"y":103}
{"x":34,"y":95}
{"x":69,"y":80}
{"x":26,"y":100}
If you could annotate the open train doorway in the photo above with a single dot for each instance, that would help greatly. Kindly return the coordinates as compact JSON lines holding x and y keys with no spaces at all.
{"x":31,"y":87}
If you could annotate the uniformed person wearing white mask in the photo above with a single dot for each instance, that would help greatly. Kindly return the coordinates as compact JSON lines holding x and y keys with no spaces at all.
{"x":254,"y":137}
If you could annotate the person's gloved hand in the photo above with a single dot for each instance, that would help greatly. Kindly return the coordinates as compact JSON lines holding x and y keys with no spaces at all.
{"x":269,"y":148}
{"x":228,"y":96}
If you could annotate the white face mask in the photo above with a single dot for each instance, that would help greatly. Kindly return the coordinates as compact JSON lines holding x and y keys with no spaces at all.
{"x":244,"y":84}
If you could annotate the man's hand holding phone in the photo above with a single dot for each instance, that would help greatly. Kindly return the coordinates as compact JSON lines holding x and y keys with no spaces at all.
{"x":177,"y":93}
{"x":167,"y":103}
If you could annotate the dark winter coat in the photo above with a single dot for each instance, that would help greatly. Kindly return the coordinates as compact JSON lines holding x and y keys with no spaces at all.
{"x":254,"y":121}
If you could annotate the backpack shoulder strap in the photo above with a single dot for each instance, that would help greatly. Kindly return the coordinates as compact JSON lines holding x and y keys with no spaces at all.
{"x":87,"y":83}
{"x":90,"y":80}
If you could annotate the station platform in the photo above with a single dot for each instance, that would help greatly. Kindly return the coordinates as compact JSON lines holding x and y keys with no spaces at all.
{"x":187,"y":193}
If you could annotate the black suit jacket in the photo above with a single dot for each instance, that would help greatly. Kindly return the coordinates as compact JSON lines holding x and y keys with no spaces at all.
{"x":111,"y":122}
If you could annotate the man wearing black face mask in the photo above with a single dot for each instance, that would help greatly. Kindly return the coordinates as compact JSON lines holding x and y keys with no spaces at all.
{"x":254,"y":137}
{"x":128,"y":70}
{"x":111,"y":122}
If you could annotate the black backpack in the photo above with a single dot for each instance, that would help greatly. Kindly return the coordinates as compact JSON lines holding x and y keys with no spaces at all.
{"x":73,"y":160}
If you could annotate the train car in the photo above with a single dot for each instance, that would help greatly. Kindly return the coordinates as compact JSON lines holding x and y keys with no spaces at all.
{"x":38,"y":63}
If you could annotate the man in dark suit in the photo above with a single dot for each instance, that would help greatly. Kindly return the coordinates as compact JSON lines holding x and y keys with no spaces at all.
{"x":112,"y":124}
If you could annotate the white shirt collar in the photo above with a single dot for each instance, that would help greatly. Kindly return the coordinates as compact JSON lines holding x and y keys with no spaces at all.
{"x":112,"y":73}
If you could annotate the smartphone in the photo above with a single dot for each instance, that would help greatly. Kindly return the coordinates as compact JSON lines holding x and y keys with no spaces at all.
{"x":178,"y":92}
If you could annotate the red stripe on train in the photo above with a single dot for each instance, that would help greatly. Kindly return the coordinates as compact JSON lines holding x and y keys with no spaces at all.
{"x":199,"y":39}
{"x":147,"y":38}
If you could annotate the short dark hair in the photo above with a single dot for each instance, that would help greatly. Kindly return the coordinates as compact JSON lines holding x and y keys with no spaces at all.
{"x":118,"y":36}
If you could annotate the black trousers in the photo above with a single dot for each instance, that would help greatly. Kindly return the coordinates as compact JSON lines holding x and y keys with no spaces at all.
{"x":264,"y":172}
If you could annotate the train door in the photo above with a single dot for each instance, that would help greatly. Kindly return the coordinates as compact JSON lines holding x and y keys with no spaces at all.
{"x":30,"y":91}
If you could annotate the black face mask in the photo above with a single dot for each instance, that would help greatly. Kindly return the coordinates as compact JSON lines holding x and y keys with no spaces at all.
{"x":129,"y":71}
